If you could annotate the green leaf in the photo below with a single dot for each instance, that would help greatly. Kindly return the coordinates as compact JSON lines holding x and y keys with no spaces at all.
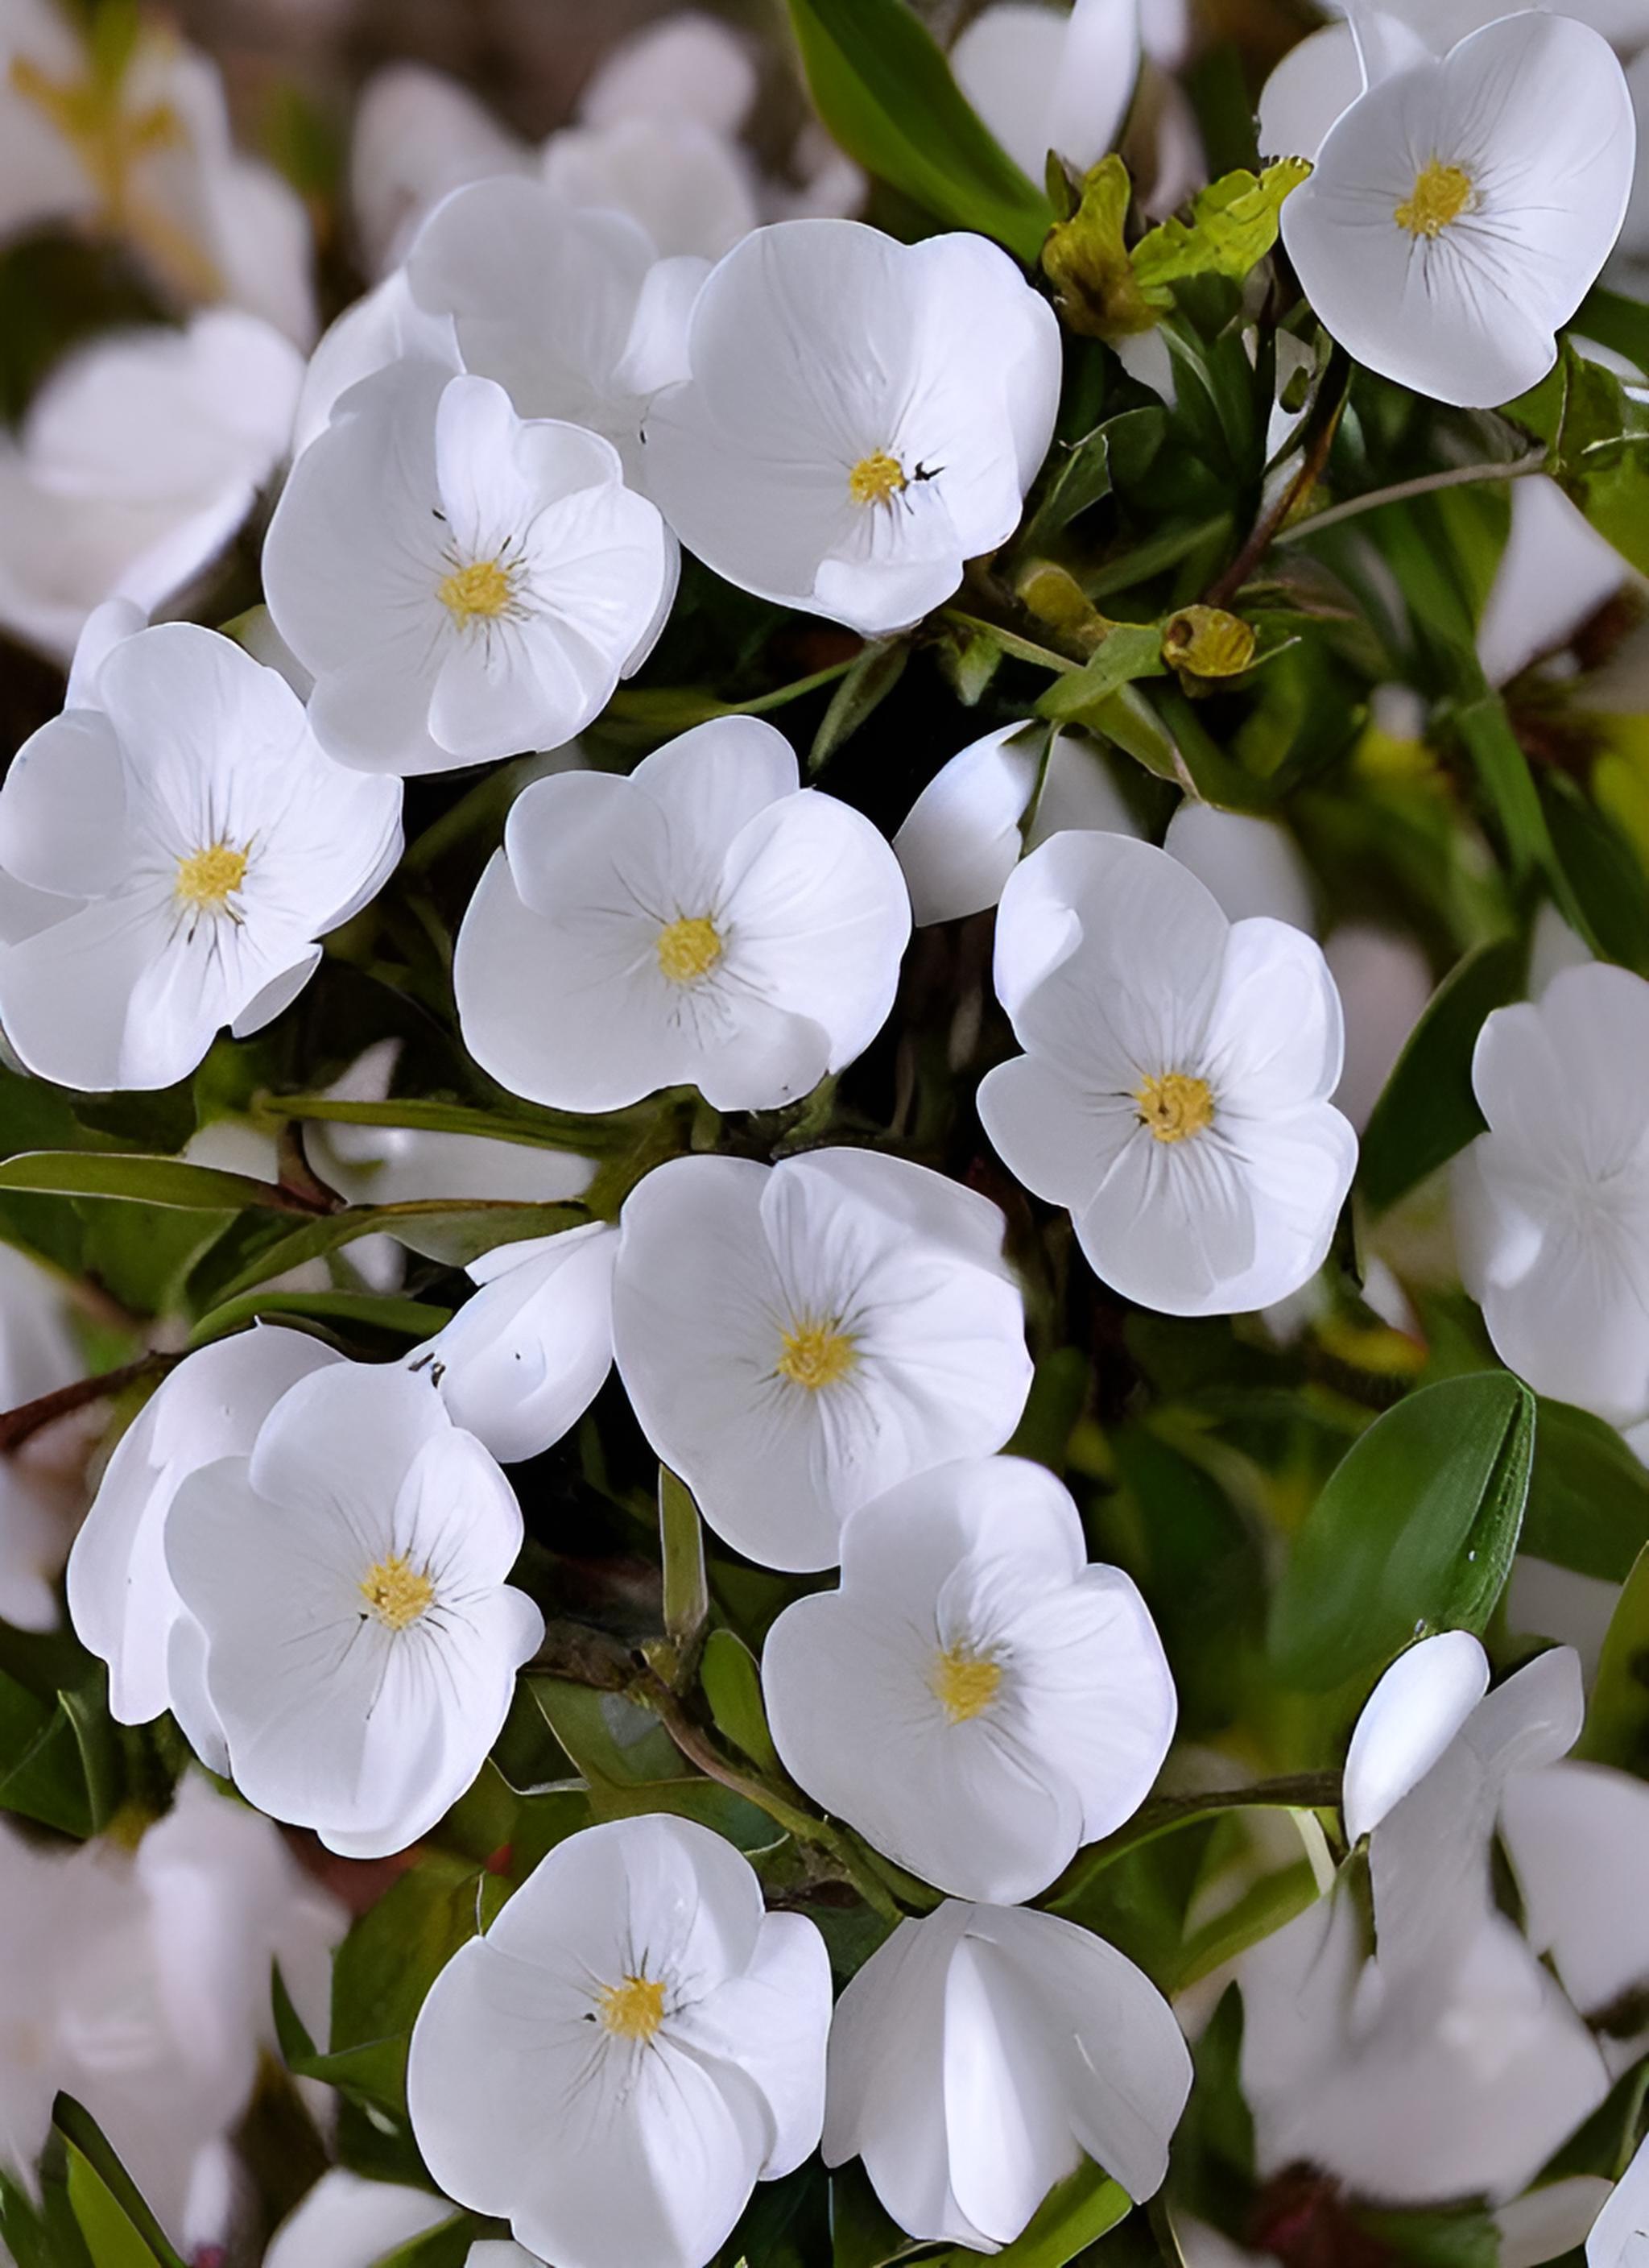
{"x":1615,"y":321}
{"x":1588,"y":1497}
{"x":119,"y":2228}
{"x":57,"y":1758}
{"x":1427,"y":1112}
{"x":881,"y":85}
{"x":1609,"y":890}
{"x":1233,"y":225}
{"x":1127,"y":651}
{"x":1597,"y":439}
{"x":546,"y":1129}
{"x":138,"y":1180}
{"x":382,"y":1972}
{"x":1508,"y":786}
{"x":862,"y":2233}
{"x":1414,"y":1532}
{"x":1085,"y":259}
{"x":406,"y":1319}
{"x":861,"y":691}
{"x":451,"y":1231}
{"x":681,"y":1546}
{"x":447,"y":2245}
{"x":1616,"y":1730}
{"x":647,"y":1774}
{"x":732,"y":1686}
{"x":1120,"y":451}
{"x":1075,"y":2213}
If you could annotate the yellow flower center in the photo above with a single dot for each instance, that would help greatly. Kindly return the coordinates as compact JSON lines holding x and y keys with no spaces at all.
{"x":964,"y":1684}
{"x":482,"y":589}
{"x":633,"y":2010}
{"x":1441,"y":193}
{"x":209,"y":879}
{"x":815,"y":1355}
{"x":396,"y":1591}
{"x":689,"y":949}
{"x":1175,"y":1105}
{"x":876,"y":479}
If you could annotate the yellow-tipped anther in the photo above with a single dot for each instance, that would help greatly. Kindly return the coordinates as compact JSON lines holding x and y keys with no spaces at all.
{"x":1175,"y":1105}
{"x":689,"y":949}
{"x":815,"y":1355}
{"x":396,"y":1591}
{"x":210,"y":878}
{"x":1440,"y":195}
{"x":964,"y":1684}
{"x":876,"y":479}
{"x":633,"y":2010}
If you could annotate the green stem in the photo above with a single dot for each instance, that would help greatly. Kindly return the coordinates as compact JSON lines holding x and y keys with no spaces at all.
{"x":1458,"y":476}
{"x":1023,"y":649}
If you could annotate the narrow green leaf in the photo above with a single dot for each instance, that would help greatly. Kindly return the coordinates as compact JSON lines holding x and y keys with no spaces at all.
{"x":409,"y":1319}
{"x":863,"y":690}
{"x":1414,"y":1532}
{"x":138,"y":1180}
{"x":681,"y":1543}
{"x":42,"y":1769}
{"x":454,"y":1231}
{"x":883,"y":87}
{"x":1508,"y":786}
{"x":1126,"y":652}
{"x":1617,"y":1729}
{"x":1609,"y":888}
{"x":120,"y":2230}
{"x":1075,"y":2213}
{"x":1588,"y":1497}
{"x":546,"y":1129}
{"x":1427,"y":1111}
{"x":1119,"y":451}
{"x":732,"y":1686}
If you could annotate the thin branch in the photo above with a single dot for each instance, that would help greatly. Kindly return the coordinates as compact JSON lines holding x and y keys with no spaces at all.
{"x":1268,"y":529}
{"x":31,"y":1417}
{"x":1458,"y":476}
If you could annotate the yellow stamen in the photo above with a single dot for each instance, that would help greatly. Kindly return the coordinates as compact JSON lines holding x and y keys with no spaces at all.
{"x":633,"y":2010}
{"x":815,"y":1355}
{"x":209,"y":879}
{"x":483,"y":588}
{"x":964,"y":1684}
{"x":876,"y":479}
{"x":1441,"y":193}
{"x":1175,"y":1105}
{"x":689,"y":949}
{"x":396,"y":1591}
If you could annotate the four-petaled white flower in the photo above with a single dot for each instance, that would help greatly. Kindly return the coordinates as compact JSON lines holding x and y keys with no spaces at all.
{"x":796,"y":1340}
{"x":1551,"y":1203}
{"x":982,"y":2053}
{"x":861,"y":418}
{"x":347,"y":1578}
{"x":188,"y":840}
{"x":524,"y":1357}
{"x":1461,"y":208}
{"x":462,"y":583}
{"x":629,"y":2049}
{"x":975,"y":1699}
{"x":703,"y":920}
{"x":1174,"y":1090}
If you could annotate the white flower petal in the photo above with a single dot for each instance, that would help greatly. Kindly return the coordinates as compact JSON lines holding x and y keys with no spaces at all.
{"x":1407,"y":1722}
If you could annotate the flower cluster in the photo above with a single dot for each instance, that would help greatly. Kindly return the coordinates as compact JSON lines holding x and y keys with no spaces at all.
{"x":825,"y":1230}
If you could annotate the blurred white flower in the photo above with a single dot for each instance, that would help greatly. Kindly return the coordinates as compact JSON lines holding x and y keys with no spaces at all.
{"x":1552,"y":1205}
{"x":705,"y":919}
{"x":1173,"y":1094}
{"x":629,"y":2049}
{"x":1250,"y":865}
{"x":137,"y":145}
{"x":1556,"y":571}
{"x":191,"y":842}
{"x":463,"y":584}
{"x":1046,"y":80}
{"x":975,"y":1699}
{"x":1384,"y":982}
{"x":567,"y":307}
{"x":347,"y":2222}
{"x":692,"y":190}
{"x":347,"y":1577}
{"x":526,"y":1354}
{"x":996,"y":799}
{"x":1576,"y":1835}
{"x":981,"y":2053}
{"x":121,"y":1598}
{"x":1448,"y":2061}
{"x":687,"y":64}
{"x":419,"y":134}
{"x":141,"y":1986}
{"x":137,"y":462}
{"x":796,"y":1340}
{"x":37,"y":1500}
{"x":1462,"y":206}
{"x":862,"y":416}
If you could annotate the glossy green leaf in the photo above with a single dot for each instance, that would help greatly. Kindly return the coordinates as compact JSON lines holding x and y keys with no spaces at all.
{"x":383,"y":1969}
{"x":883,"y":87}
{"x":1616,"y":1730}
{"x":120,"y":2230}
{"x":1588,"y":1497}
{"x":1610,"y":892}
{"x":732,"y":1686}
{"x":681,"y":1543}
{"x":1427,"y":1112}
{"x":1120,"y":451}
{"x":1075,"y":2213}
{"x":1414,"y":1532}
{"x":138,"y":1180}
{"x":57,"y":1759}
{"x":451,"y":1231}
{"x":406,"y":1319}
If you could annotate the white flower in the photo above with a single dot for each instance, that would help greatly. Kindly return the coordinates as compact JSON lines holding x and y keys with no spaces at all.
{"x":419,"y":134}
{"x":463,"y":584}
{"x":1173,"y":1090}
{"x":142,"y":152}
{"x":1555,"y":573}
{"x":1461,"y":208}
{"x":975,"y":1697}
{"x":37,"y":1356}
{"x":862,"y":416}
{"x":1384,"y":982}
{"x":386,"y":326}
{"x":141,"y":1986}
{"x":703,"y":920}
{"x":522,"y":1360}
{"x":1250,"y":865}
{"x":691,"y":189}
{"x":1448,"y":2061}
{"x":1408,"y":1721}
{"x":569,"y":308}
{"x":135,"y":463}
{"x":347,"y":2222}
{"x":121,"y":1599}
{"x":1552,"y":1205}
{"x":1046,"y":81}
{"x":194,"y":841}
{"x":1619,"y":2234}
{"x":796,"y":1340}
{"x":997,"y":799}
{"x":981,"y":2052}
{"x":1576,"y":1835}
{"x":347,"y":1580}
{"x":629,"y":2048}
